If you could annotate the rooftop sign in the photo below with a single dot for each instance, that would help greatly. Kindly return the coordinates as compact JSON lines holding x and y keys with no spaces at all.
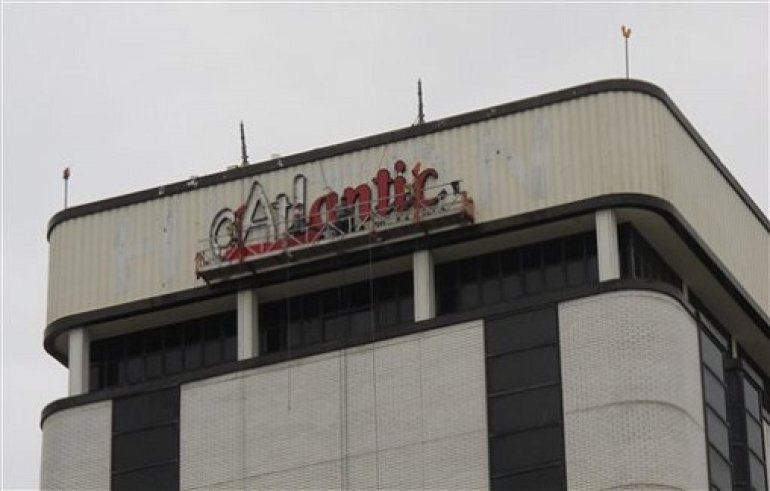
{"x":394,"y":204}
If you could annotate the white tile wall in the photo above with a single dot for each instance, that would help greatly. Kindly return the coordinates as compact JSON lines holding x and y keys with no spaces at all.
{"x":328,"y":422}
{"x":76,"y":448}
{"x":632,"y":393}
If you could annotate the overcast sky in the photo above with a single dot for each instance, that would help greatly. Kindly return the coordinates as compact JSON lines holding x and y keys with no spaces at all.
{"x":134,"y":95}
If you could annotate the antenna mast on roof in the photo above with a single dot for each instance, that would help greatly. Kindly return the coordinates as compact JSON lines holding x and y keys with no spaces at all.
{"x":420,"y":112}
{"x":626,"y":31}
{"x":244,"y":157}
{"x":66,"y":177}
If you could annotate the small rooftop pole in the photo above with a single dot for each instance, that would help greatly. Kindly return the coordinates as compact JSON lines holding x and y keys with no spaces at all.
{"x":626,"y":31}
{"x":420,"y":112}
{"x":244,"y":157}
{"x":66,"y":177}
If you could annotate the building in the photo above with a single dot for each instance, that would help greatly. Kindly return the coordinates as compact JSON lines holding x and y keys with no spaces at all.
{"x":568,"y":291}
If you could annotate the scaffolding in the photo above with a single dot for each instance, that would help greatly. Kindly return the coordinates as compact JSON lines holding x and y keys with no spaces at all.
{"x":351,"y":229}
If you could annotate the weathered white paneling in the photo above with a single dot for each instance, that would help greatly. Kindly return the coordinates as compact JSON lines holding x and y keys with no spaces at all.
{"x":407,"y":413}
{"x":633,"y":407}
{"x":702,"y":195}
{"x":606,"y":143}
{"x":76,"y":448}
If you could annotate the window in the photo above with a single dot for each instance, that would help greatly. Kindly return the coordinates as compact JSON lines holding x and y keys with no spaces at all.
{"x":155,"y":353}
{"x":638,"y":259}
{"x":506,"y":275}
{"x":713,"y":348}
{"x":337,"y":313}
{"x":732,"y":393}
{"x":747,"y":450}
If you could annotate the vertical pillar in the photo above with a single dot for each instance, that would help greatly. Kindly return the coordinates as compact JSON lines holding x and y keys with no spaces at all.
{"x":607,"y":245}
{"x":248,"y":324}
{"x":79,"y":356}
{"x":424,"y":286}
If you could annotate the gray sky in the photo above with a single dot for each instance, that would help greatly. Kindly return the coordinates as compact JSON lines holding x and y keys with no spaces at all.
{"x":131,"y":96}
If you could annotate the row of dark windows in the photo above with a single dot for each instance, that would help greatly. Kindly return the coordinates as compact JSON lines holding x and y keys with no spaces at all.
{"x":343,"y":312}
{"x":638,"y":259}
{"x":744,"y":411}
{"x":506,"y":275}
{"x":733,"y":411}
{"x":336,"y":313}
{"x":145,"y":441}
{"x":713,"y":349}
{"x":355,"y":310}
{"x":156,"y":353}
{"x":524,"y":406}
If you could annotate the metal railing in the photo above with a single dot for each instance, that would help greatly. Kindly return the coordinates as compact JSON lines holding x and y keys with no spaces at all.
{"x":343,"y":221}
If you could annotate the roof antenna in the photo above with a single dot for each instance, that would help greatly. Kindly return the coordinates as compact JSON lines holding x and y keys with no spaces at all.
{"x":626,"y":31}
{"x":66,"y":177}
{"x":244,"y":157}
{"x":420,"y":113}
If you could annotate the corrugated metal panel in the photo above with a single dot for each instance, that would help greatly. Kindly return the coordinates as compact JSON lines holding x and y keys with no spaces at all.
{"x":720,"y":217}
{"x":607,"y":143}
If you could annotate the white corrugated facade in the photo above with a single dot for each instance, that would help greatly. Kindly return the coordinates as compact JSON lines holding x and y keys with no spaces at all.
{"x":617,"y":142}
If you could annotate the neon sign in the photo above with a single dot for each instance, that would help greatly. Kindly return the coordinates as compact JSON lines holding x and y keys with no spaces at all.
{"x":260,"y":226}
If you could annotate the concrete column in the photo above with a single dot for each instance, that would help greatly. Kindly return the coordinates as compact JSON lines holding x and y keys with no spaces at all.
{"x":607,"y":245}
{"x":248,"y":324}
{"x":79,"y":361}
{"x":424,"y":286}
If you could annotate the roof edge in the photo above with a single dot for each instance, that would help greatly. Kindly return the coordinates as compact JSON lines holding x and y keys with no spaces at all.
{"x":479,"y":115}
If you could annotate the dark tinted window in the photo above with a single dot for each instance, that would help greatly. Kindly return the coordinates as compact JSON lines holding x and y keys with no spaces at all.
{"x":746,"y":434}
{"x":193,"y":347}
{"x":638,"y":259}
{"x":155,"y":353}
{"x":337,"y":313}
{"x":574,"y":260}
{"x":714,"y":392}
{"x":554,"y":265}
{"x":172,"y":350}
{"x":495,"y":277}
{"x":153,"y":356}
{"x":534,"y":280}
{"x":719,"y":470}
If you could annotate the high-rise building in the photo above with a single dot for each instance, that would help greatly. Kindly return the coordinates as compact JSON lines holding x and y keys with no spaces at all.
{"x":568,"y":291}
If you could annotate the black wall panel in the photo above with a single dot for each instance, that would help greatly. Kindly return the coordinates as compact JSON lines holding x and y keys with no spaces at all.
{"x":524,"y":402}
{"x":145,"y":441}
